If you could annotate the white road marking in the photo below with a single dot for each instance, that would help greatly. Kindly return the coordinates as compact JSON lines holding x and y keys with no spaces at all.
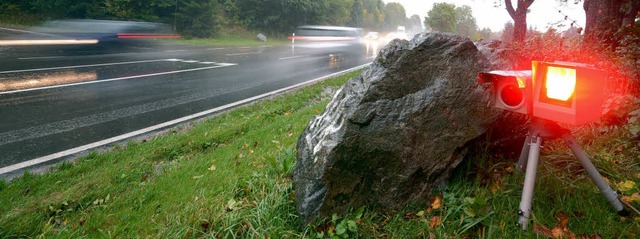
{"x":122,"y":137}
{"x":245,"y":53}
{"x":291,"y":57}
{"x":207,"y":62}
{"x":219,"y":65}
{"x":82,"y":66}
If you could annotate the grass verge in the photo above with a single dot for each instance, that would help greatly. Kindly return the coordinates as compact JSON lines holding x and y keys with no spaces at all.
{"x":230,"y":176}
{"x":232,"y":41}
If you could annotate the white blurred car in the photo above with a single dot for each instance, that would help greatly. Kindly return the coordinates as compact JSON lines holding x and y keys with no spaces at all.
{"x":314,"y":40}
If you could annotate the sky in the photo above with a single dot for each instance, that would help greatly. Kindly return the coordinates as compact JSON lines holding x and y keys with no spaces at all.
{"x":542,"y":12}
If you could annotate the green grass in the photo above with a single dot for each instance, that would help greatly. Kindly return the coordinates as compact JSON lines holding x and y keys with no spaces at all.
{"x":230,"y":177}
{"x":233,"y":41}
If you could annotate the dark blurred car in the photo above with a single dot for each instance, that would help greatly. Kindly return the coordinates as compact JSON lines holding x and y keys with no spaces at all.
{"x":325,"y":40}
{"x":106,"y":31}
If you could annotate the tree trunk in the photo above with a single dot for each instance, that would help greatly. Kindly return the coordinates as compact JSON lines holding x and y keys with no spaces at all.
{"x":604,"y":18}
{"x":519,"y":16}
{"x":520,"y":25}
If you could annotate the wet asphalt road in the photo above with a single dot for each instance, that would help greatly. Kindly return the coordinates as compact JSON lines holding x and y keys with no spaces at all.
{"x":57,"y":98}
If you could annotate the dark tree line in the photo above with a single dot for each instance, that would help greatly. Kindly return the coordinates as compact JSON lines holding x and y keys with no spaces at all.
{"x":208,"y":18}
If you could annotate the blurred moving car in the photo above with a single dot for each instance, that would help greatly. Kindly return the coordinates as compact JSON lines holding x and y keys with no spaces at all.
{"x":325,"y":40}
{"x":89,"y":32}
{"x":105,"y":30}
{"x":372,"y":36}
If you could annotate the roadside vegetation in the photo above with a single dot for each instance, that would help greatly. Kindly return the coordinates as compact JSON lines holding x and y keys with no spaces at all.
{"x":235,"y":37}
{"x":230,"y":176}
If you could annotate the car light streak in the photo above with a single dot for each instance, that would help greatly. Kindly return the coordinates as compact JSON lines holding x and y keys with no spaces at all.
{"x":47,"y":42}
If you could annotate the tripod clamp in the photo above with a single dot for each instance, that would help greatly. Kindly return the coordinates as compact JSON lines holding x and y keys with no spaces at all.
{"x":546,"y":129}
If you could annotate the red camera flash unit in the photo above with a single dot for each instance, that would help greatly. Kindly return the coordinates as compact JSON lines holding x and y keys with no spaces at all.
{"x":566,"y":92}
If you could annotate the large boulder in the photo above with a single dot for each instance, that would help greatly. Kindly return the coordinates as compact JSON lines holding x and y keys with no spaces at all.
{"x":396,"y":130}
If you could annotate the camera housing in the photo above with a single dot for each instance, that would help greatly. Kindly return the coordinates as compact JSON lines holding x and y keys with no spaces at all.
{"x":564,"y":92}
{"x":510,"y":89}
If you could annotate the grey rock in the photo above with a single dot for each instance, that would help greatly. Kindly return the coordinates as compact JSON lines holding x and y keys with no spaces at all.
{"x":261,"y":37}
{"x":396,"y":130}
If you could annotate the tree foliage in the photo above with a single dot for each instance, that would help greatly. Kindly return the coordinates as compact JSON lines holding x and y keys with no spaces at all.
{"x":465,"y":22}
{"x":394,"y":16}
{"x":415,"y":23}
{"x":447,"y":17}
{"x":442,"y":17}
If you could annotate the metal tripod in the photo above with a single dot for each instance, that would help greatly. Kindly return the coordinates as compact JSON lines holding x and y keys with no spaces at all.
{"x":539,"y":129}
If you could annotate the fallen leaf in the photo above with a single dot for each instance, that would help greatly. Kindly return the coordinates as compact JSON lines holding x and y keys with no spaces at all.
{"x":557,"y":233}
{"x":213,"y":167}
{"x":241,"y":155}
{"x":437,"y":202}
{"x":633,"y":198}
{"x":232,"y":204}
{"x":435,"y":221}
{"x":626,"y":186}
{"x":542,"y":231}
{"x":563,"y":221}
{"x":509,"y":169}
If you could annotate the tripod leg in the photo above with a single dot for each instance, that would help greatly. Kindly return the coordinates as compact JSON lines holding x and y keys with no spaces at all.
{"x":529,"y":182}
{"x":524,"y":153}
{"x":606,"y":191}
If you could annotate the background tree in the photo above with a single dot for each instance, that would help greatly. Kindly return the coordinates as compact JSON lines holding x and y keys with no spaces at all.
{"x":394,"y":16}
{"x":507,"y":32}
{"x":336,"y":12}
{"x":606,"y":18}
{"x":486,"y":33}
{"x":372,"y":14}
{"x":355,"y":15}
{"x":519,"y":16}
{"x":415,"y":23}
{"x":465,"y":22}
{"x":199,"y":18}
{"x":442,"y":17}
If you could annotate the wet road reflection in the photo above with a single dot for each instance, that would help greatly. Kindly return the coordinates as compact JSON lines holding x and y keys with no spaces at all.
{"x":53,"y":103}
